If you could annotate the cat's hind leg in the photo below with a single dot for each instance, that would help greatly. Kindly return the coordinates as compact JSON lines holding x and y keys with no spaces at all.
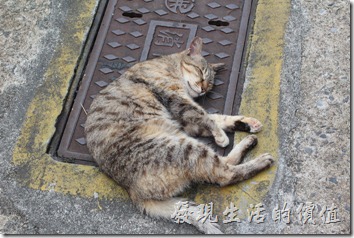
{"x":204,"y":165}
{"x":239,"y":151}
{"x":181,"y":161}
{"x":237,"y":173}
{"x":176,"y":161}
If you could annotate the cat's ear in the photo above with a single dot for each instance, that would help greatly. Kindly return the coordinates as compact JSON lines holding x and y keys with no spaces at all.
{"x":196,"y":47}
{"x":217,"y":67}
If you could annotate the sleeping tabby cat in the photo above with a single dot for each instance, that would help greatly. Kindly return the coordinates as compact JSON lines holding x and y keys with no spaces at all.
{"x":140,"y":131}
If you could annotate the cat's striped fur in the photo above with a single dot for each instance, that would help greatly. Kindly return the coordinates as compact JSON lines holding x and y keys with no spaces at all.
{"x":139,"y":132}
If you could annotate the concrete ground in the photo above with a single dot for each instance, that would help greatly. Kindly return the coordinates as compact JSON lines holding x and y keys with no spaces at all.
{"x":312,"y":121}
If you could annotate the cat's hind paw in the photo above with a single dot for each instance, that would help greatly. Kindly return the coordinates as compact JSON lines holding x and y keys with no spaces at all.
{"x":264,"y":161}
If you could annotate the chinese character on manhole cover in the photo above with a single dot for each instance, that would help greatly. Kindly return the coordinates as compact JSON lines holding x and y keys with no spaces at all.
{"x":168,"y":38}
{"x":183,"y":6}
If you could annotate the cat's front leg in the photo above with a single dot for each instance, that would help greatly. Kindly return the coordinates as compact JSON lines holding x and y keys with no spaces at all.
{"x":195,"y":120}
{"x":221,"y":139}
{"x":237,"y":123}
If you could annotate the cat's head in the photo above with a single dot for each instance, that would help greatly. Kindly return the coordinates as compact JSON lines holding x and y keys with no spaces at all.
{"x":198,"y":74}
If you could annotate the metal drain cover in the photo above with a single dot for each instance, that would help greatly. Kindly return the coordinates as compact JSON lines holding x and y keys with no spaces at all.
{"x":133,"y":31}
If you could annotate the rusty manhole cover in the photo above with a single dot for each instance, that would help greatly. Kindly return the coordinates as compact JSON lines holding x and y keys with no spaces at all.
{"x":133,"y":31}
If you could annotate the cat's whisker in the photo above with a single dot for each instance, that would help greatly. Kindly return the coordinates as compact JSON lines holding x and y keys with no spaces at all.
{"x":203,"y":98}
{"x":83,"y":109}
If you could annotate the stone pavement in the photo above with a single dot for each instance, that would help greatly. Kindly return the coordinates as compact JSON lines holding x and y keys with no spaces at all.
{"x":311,"y":122}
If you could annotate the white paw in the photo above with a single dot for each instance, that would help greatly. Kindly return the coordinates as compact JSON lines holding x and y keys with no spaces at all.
{"x":265,"y":160}
{"x":254,"y":124}
{"x":222,"y":140}
{"x":249,"y":141}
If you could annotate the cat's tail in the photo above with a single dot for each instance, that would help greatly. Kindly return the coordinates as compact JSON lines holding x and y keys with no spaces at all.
{"x":180,"y":210}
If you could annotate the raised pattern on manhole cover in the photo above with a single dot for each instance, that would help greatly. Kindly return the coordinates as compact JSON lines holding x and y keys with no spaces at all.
{"x":208,"y":28}
{"x":225,"y":42}
{"x":156,"y":28}
{"x":222,"y":55}
{"x":129,"y":59}
{"x":118,"y":32}
{"x":161,"y":12}
{"x":114,"y":44}
{"x":125,"y":9}
{"x":101,"y":83}
{"x":106,"y":70}
{"x":214,"y":5}
{"x":122,"y":20}
{"x":214,"y":95}
{"x":140,"y":21}
{"x":133,"y":46}
{"x":218,"y":82}
{"x":204,"y":53}
{"x":193,"y":15}
{"x":81,"y":141}
{"x":232,"y":6}
{"x":111,"y":57}
{"x":136,"y":33}
{"x":143,"y":10}
{"x":227,"y":30}
{"x":229,"y":18}
{"x":207,"y":40}
{"x":210,"y":16}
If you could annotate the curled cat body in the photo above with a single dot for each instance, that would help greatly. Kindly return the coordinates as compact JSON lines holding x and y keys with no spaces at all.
{"x":140,"y":130}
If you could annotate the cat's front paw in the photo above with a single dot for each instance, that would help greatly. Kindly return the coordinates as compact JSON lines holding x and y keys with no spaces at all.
{"x":222,"y":140}
{"x":248,"y":124}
